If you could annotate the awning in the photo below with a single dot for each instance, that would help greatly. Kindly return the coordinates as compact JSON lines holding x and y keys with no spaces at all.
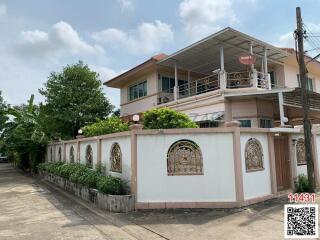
{"x":203,"y":56}
{"x":215,"y":116}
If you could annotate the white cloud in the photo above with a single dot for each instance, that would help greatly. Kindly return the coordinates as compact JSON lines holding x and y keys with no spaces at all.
{"x":105,"y":74}
{"x":61,"y":40}
{"x":3,"y":10}
{"x":203,"y":17}
{"x":286,"y":40}
{"x":126,"y":5}
{"x":147,"y":38}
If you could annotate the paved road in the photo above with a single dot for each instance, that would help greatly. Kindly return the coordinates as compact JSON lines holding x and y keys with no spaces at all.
{"x":31,"y":209}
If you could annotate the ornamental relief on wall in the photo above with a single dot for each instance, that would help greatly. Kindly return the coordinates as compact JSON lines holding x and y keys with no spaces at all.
{"x":71,"y":155}
{"x":184,"y":157}
{"x":115,"y":158}
{"x":89,"y":157}
{"x":300,"y":152}
{"x":253,"y":155}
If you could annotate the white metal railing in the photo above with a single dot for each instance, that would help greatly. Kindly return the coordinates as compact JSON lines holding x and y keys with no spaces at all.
{"x":199,"y":86}
{"x":232,"y":80}
{"x":239,"y":79}
{"x":166,"y":96}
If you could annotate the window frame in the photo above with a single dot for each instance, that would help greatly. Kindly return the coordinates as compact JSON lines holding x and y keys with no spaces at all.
{"x":266,"y":119}
{"x":137,"y":86}
{"x":242,"y":120}
{"x":309,"y":80}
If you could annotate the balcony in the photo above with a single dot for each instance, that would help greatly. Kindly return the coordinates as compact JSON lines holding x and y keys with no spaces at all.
{"x":216,"y":81}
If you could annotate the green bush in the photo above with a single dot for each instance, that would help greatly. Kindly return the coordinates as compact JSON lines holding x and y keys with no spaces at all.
{"x":163,"y":118}
{"x":80,"y":174}
{"x":302,"y":184}
{"x":110,"y":185}
{"x":109,"y":125}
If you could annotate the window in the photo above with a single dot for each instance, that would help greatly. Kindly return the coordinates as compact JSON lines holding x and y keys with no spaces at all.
{"x":253,"y":155}
{"x":51,"y":155}
{"x":265,"y":123}
{"x":272,"y":79}
{"x":115,"y":158}
{"x":245,"y":123}
{"x":208,"y":124}
{"x":300,"y":152}
{"x":137,"y":91}
{"x":184,"y":158}
{"x":167,"y":84}
{"x":309,"y":85}
{"x":89,"y":157}
{"x":71,"y":155}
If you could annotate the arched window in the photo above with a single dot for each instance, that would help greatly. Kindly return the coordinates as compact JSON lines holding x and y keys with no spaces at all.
{"x":60,"y":154}
{"x":71,"y":154}
{"x":253,"y":155}
{"x":300,"y":152}
{"x":89,"y":157}
{"x":115,"y":158}
{"x":184,"y":157}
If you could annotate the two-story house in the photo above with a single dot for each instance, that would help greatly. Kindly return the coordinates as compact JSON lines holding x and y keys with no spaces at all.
{"x":226,"y":76}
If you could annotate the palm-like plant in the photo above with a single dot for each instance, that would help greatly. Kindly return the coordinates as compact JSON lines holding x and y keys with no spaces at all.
{"x":23,"y":133}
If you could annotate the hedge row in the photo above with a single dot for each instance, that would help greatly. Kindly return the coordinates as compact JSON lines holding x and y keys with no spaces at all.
{"x":80,"y":174}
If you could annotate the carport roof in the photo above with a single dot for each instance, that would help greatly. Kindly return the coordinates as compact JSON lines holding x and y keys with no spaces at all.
{"x":234,"y":42}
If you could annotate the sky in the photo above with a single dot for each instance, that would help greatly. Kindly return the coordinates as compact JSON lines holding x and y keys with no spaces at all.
{"x":38,"y":37}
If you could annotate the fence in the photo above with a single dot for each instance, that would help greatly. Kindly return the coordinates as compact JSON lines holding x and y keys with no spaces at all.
{"x":187,"y":168}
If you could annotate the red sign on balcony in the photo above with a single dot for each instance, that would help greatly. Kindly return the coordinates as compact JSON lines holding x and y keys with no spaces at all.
{"x":247,"y":59}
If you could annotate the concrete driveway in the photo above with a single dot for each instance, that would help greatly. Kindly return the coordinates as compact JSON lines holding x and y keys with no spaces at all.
{"x":32,"y":209}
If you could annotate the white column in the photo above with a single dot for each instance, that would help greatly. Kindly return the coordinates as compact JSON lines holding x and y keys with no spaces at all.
{"x":265,"y":68}
{"x":281,"y":109}
{"x":189,"y":83}
{"x":251,"y":53}
{"x":222,"y":73}
{"x":175,"y":81}
{"x":221,"y":58}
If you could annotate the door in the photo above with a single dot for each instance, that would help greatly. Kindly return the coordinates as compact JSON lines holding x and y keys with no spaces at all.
{"x":282,"y":159}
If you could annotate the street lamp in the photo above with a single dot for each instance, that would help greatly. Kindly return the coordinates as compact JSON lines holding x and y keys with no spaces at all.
{"x":136,"y":118}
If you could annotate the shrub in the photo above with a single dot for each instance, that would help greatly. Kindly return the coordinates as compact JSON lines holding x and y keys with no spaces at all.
{"x":302,"y":184}
{"x":80,"y":174}
{"x":110,"y":185}
{"x":163,"y":118}
{"x":109,"y":125}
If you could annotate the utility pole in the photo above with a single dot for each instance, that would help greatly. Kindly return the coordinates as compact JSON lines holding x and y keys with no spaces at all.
{"x":305,"y":101}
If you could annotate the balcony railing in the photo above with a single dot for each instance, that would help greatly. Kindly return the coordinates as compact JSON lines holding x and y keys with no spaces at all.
{"x":210,"y":83}
{"x":239,"y":79}
{"x":199,"y":86}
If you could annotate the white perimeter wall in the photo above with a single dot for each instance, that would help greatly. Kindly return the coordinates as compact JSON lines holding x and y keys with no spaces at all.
{"x":217,"y":183}
{"x":83,"y":148}
{"x":68,"y":147}
{"x":125,"y":146}
{"x":301,"y":169}
{"x":258,"y":183}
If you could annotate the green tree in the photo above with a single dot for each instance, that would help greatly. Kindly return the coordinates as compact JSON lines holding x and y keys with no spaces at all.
{"x":3,"y":109}
{"x":163,"y":118}
{"x":23,"y":135}
{"x":107,"y":126}
{"x":74,"y":98}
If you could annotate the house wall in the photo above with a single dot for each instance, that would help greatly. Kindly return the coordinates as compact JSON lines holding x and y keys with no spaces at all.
{"x":142,"y":104}
{"x":256,"y":183}
{"x":216,"y":184}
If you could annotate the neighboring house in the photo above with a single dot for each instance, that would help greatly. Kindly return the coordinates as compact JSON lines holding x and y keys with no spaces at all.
{"x":207,"y":81}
